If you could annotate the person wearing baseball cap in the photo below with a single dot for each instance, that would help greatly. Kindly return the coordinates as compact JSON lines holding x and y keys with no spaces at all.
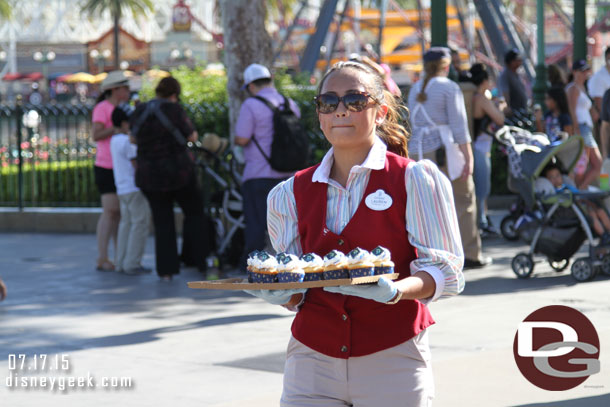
{"x":511,"y":86}
{"x":115,"y":90}
{"x":254,"y":132}
{"x":584,"y":115}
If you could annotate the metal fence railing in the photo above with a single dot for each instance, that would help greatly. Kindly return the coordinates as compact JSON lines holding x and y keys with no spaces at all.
{"x":47,"y":155}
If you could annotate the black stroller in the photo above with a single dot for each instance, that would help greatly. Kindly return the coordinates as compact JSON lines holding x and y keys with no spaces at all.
{"x":553,"y":224}
{"x":224,"y":203}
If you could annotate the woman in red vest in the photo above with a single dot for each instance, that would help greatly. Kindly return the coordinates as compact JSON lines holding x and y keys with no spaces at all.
{"x":365,"y":345}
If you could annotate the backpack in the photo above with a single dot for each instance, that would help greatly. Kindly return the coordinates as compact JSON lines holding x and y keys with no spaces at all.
{"x":290,"y":147}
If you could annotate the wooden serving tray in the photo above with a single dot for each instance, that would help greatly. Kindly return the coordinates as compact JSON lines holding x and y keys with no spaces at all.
{"x":243,"y":284}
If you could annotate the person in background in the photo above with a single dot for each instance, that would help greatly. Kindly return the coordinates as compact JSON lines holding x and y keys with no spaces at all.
{"x":599,"y":83}
{"x":556,"y":75}
{"x":2,"y":290}
{"x":166,"y":174}
{"x":115,"y":90}
{"x":557,"y":118}
{"x":456,"y":73}
{"x":254,"y":131}
{"x":485,"y":113}
{"x":599,"y":217}
{"x":510,"y":84}
{"x":439,"y":123}
{"x":583,"y":115}
{"x":135,"y":213}
{"x":605,"y":126}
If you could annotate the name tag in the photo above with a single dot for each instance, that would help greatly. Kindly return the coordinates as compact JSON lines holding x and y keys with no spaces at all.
{"x":378,"y":200}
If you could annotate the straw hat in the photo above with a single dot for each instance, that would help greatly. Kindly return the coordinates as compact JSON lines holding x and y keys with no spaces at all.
{"x":214,"y":143}
{"x":115,"y":79}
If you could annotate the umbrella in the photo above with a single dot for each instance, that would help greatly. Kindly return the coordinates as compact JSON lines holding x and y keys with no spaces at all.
{"x":80,"y":77}
{"x":156,"y":74}
{"x":99,"y":77}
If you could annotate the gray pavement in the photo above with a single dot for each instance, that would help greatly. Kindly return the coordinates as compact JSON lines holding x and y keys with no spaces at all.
{"x":189,"y":347}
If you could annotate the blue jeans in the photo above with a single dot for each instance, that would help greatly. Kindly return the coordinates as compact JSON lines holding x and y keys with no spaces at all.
{"x":482,"y":183}
{"x":255,"y":193}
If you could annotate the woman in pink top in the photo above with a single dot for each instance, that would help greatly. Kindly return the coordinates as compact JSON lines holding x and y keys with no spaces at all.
{"x":115,"y":90}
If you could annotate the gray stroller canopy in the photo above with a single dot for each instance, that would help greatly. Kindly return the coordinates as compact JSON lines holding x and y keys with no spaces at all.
{"x":528,"y":155}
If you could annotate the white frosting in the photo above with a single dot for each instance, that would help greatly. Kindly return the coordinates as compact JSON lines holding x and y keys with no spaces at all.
{"x":312,"y":260}
{"x":290,"y":262}
{"x":264,"y":261}
{"x":380,"y":254}
{"x":359,"y":255}
{"x":334,"y":258}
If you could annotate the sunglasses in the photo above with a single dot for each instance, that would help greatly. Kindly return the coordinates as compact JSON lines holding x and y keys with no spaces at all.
{"x":354,"y":102}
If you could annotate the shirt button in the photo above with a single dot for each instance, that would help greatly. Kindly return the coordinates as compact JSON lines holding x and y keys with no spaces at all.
{"x":343,"y":348}
{"x":344,"y":317}
{"x":340,"y":241}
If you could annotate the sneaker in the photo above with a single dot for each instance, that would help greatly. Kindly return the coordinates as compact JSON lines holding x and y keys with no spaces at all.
{"x":477,"y":264}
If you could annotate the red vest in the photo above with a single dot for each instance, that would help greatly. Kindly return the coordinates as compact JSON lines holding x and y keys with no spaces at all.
{"x":342,"y":326}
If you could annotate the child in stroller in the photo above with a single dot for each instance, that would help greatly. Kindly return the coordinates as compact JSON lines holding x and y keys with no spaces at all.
{"x":599,"y":216}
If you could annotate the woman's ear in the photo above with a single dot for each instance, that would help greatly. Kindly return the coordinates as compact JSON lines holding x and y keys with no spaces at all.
{"x":382,"y":111}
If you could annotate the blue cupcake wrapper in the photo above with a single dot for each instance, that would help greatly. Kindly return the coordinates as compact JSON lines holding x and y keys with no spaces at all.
{"x":384,"y":270}
{"x":314,"y":276}
{"x":264,"y":278}
{"x":250,"y":276}
{"x":362,"y":272}
{"x":290,"y":277}
{"x":336,"y":274}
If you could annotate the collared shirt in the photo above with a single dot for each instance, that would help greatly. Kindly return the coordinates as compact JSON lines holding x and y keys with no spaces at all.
{"x":256,"y":119}
{"x":430,"y":215}
{"x":444,"y":105}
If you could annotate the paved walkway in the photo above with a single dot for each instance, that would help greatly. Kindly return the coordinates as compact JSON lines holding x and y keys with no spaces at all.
{"x":188,"y":347}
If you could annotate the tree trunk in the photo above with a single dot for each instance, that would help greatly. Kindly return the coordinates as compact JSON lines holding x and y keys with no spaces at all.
{"x":246,"y":41}
{"x":116,"y":42}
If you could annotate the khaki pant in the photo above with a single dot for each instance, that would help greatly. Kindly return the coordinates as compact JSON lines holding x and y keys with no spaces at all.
{"x":466,"y":209}
{"x":133,"y":230}
{"x":396,"y":377}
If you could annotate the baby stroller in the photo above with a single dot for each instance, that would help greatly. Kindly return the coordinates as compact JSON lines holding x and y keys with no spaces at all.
{"x":224,"y":203}
{"x":554,"y":224}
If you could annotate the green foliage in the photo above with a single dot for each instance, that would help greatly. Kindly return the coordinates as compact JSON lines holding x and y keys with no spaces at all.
{"x":67,"y":183}
{"x":116,"y":7}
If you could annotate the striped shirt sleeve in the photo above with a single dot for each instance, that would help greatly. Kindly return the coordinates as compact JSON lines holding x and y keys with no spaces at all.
{"x":282,"y":221}
{"x":433,"y":228}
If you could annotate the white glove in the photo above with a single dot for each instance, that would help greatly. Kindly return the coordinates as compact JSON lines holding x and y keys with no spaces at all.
{"x":382,"y":292}
{"x":276,"y":297}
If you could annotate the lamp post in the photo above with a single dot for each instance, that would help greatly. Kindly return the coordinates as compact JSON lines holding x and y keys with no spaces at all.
{"x":44,"y":57}
{"x":540,"y":82}
{"x":100,"y":58}
{"x":181,"y":54}
{"x":438,"y":22}
{"x":580,"y":30}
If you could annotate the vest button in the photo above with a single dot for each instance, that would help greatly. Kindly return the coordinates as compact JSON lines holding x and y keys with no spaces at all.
{"x":343,"y":348}
{"x":344,"y":317}
{"x":340,"y":241}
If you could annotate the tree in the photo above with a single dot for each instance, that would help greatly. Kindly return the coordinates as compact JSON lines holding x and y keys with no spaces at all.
{"x":95,"y":8}
{"x":5,"y":9}
{"x":246,"y":41}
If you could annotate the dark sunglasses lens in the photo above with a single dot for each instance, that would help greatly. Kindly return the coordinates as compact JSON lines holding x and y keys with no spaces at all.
{"x":355,"y":102}
{"x":327,"y":103}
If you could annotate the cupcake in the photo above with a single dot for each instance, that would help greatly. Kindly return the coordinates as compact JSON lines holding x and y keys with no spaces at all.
{"x":264,"y":268}
{"x":313,"y":266}
{"x":335,"y":266}
{"x":290,"y":269}
{"x":359,"y":263}
{"x":250,"y":267}
{"x":382,"y":260}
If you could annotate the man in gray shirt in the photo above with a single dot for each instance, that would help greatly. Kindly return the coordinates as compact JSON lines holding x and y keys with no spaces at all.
{"x":511,"y":85}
